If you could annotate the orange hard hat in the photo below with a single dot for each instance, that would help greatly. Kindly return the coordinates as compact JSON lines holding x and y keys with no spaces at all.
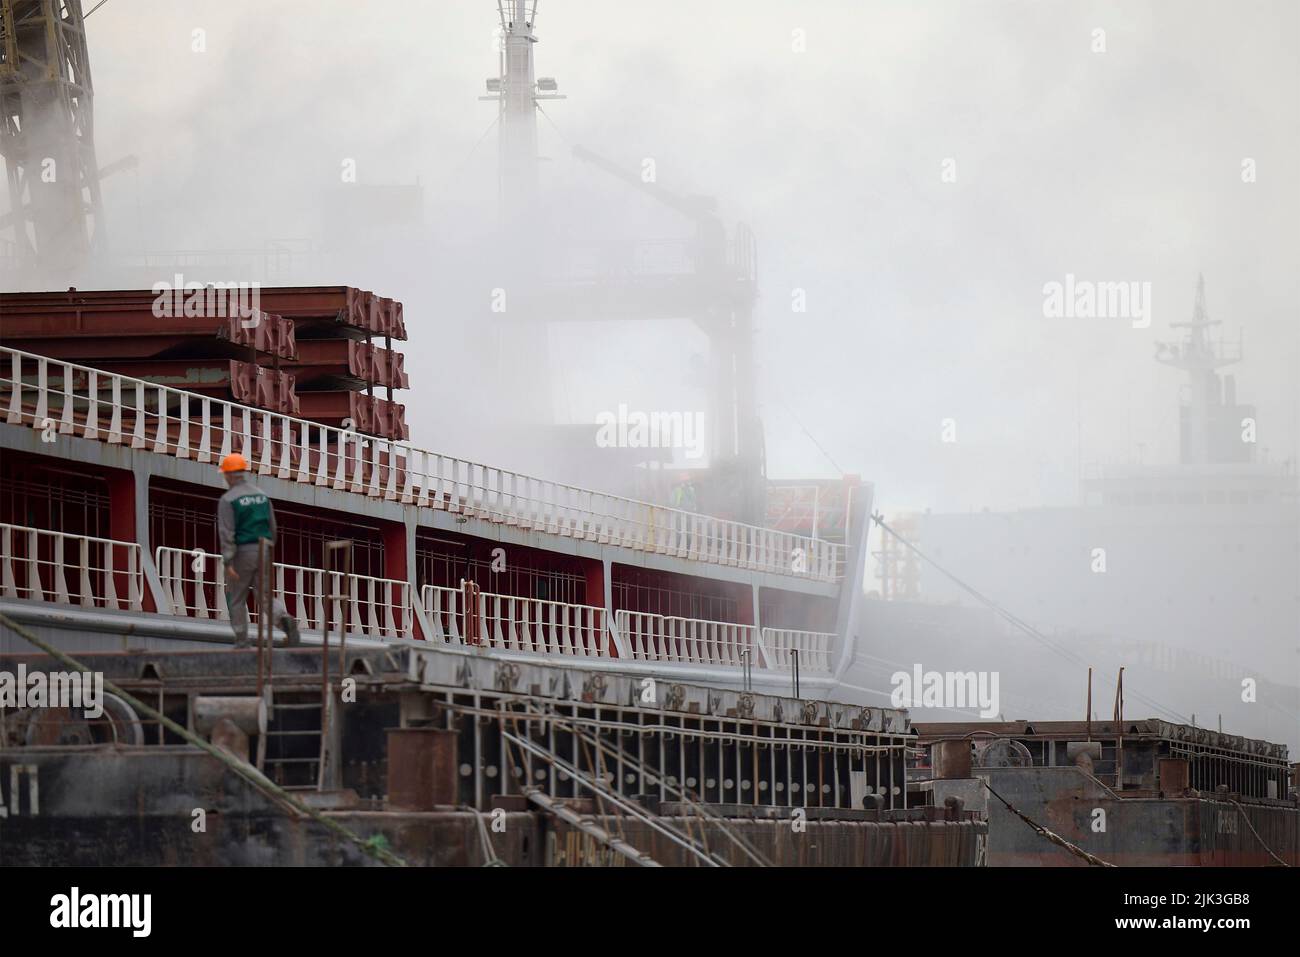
{"x":234,"y":462}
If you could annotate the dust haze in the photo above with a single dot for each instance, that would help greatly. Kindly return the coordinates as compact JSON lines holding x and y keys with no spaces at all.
{"x":914,"y":175}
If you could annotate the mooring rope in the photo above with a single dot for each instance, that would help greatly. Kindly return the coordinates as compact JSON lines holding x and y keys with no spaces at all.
{"x":1246,"y":818}
{"x":1049,"y":835}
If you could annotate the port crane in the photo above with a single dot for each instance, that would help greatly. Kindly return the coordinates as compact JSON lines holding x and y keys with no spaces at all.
{"x":47,"y":136}
{"x":712,"y":281}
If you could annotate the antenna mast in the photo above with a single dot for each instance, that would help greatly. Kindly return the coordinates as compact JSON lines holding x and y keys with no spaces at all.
{"x":1210,"y":413}
{"x":517,"y":91}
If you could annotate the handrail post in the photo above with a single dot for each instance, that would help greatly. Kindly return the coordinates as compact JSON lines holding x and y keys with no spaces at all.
{"x":470,"y":610}
{"x":763,"y":654}
{"x":259,"y":593}
{"x":265,"y":604}
{"x":620,"y":642}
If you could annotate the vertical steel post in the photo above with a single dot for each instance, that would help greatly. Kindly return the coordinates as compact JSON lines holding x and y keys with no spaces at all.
{"x":263,"y":686}
{"x":1119,"y":730}
{"x":265,"y":614}
{"x":476,"y":717}
{"x":1088,"y":716}
{"x":258,"y":594}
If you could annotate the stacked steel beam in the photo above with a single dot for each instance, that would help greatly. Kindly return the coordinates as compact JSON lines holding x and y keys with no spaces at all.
{"x":329,"y":312}
{"x":339,"y":365}
{"x":77,"y":325}
{"x":347,"y":363}
{"x":304,"y":350}
{"x":223,"y":354}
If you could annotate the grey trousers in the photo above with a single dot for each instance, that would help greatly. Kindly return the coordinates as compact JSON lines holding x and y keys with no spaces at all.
{"x":246,"y":567}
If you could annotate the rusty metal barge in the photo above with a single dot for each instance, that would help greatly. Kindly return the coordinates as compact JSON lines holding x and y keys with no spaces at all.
{"x":1146,"y":793}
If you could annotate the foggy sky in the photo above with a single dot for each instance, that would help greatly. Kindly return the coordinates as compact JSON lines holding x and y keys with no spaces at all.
{"x":924,"y":297}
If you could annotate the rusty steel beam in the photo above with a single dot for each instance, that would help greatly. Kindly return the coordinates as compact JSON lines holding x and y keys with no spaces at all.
{"x":320,"y":310}
{"x":126,"y":328}
{"x":366,"y":414}
{"x":227,"y":379}
{"x":357,"y":363}
{"x":91,"y":349}
{"x":387,"y":317}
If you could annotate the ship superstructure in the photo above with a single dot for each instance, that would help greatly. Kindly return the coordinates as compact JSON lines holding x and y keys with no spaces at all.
{"x":546,"y":651}
{"x":110,"y":488}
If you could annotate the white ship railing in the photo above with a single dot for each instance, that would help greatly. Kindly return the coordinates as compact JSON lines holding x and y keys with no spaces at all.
{"x":519,"y":624}
{"x":665,"y":638}
{"x":814,"y":648}
{"x":444,"y":610}
{"x":102,"y":573}
{"x":194,"y":582}
{"x":550,"y":627}
{"x":62,"y":398}
{"x":70,"y":569}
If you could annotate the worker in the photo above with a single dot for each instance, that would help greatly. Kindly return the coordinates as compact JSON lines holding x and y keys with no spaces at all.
{"x":244,"y":519}
{"x":684,"y":493}
{"x":684,"y":500}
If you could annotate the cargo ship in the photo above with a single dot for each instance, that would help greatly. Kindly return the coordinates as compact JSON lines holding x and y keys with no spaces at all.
{"x":562,"y":648}
{"x":497,"y":666}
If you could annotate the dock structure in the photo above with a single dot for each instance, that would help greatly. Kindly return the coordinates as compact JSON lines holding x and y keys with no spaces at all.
{"x":1146,"y":793}
{"x":458,"y":757}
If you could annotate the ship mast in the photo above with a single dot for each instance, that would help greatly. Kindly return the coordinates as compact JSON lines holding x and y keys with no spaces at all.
{"x":521,"y":333}
{"x":517,"y":91}
{"x":1207,"y":410}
